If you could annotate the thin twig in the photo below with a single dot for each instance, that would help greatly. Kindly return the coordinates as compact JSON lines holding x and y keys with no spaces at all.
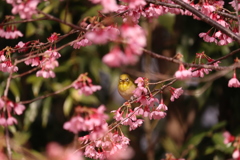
{"x":25,"y":73}
{"x":45,"y":96}
{"x":50,"y":17}
{"x":23,"y":21}
{"x":207,"y":66}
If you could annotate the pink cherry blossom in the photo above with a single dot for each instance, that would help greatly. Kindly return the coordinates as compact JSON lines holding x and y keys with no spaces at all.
{"x":85,"y":86}
{"x":7,"y":66}
{"x":33,"y":61}
{"x":182,"y":73}
{"x":236,"y":154}
{"x":107,"y":146}
{"x":19,"y":108}
{"x":114,"y":58}
{"x":102,"y":35}
{"x":134,"y":36}
{"x":10,"y":108}
{"x":11,"y":121}
{"x":45,"y":74}
{"x":53,"y":38}
{"x":88,"y":119}
{"x":133,"y":4}
{"x":24,"y":8}
{"x":233,"y":82}
{"x":228,"y":138}
{"x":176,"y":93}
{"x":108,"y":5}
{"x":82,"y":43}
{"x":2,"y":56}
{"x":57,"y":152}
{"x":233,"y":4}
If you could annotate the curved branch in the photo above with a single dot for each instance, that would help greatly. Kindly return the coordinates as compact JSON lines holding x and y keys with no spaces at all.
{"x":207,"y":66}
{"x":208,"y":20}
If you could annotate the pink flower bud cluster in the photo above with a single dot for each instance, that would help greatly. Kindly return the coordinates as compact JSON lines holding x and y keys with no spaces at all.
{"x":24,"y":8}
{"x":200,"y":72}
{"x":102,"y":35}
{"x":10,"y":32}
{"x":134,"y":38}
{"x":57,"y":152}
{"x":182,"y":73}
{"x":47,"y":64}
{"x":88,"y":119}
{"x":233,"y":141}
{"x":176,"y":93}
{"x":107,"y":146}
{"x":84,"y":85}
{"x":6,"y":63}
{"x":7,"y":108}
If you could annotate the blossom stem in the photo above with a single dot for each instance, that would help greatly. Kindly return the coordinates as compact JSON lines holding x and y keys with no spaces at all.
{"x":9,"y":151}
{"x":45,"y":96}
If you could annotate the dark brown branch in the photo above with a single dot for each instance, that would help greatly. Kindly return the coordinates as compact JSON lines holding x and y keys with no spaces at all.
{"x":208,"y":20}
{"x":23,"y":21}
{"x":46,"y":95}
{"x":50,"y":17}
{"x":207,"y":66}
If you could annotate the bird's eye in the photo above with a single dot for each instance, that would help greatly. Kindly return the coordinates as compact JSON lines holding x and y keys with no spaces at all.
{"x":127,"y":79}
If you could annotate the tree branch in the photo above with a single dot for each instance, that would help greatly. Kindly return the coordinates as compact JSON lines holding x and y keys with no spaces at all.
{"x":208,"y":20}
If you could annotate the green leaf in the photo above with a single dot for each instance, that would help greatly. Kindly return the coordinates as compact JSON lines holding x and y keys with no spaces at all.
{"x":67,"y":106}
{"x":209,"y":150}
{"x":31,"y":114}
{"x":21,"y":138}
{"x":170,"y":146}
{"x":167,"y":21}
{"x":92,"y":11}
{"x":219,"y":125}
{"x":91,"y":99}
{"x":66,"y":17}
{"x":36,"y":83}
{"x":15,"y":90}
{"x":196,"y":139}
{"x":30,"y":29}
{"x":46,"y":111}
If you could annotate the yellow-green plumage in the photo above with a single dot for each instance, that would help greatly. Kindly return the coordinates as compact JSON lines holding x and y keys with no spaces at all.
{"x":126,"y":86}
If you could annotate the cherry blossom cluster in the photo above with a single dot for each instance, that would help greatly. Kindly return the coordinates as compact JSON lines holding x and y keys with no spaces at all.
{"x":6,"y":62}
{"x":57,"y":152}
{"x":233,"y":141}
{"x":88,"y":119}
{"x":10,"y":32}
{"x":47,"y":60}
{"x":200,"y":57}
{"x":112,"y":144}
{"x":132,"y":35}
{"x":25,"y":8}
{"x":134,"y":38}
{"x":84,"y":85}
{"x":7,"y":109}
{"x":47,"y":63}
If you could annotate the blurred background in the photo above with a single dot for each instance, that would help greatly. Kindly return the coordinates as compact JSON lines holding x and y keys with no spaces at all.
{"x":194,"y":123}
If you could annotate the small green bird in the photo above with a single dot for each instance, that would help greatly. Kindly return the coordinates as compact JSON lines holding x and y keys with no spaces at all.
{"x":126,"y":86}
